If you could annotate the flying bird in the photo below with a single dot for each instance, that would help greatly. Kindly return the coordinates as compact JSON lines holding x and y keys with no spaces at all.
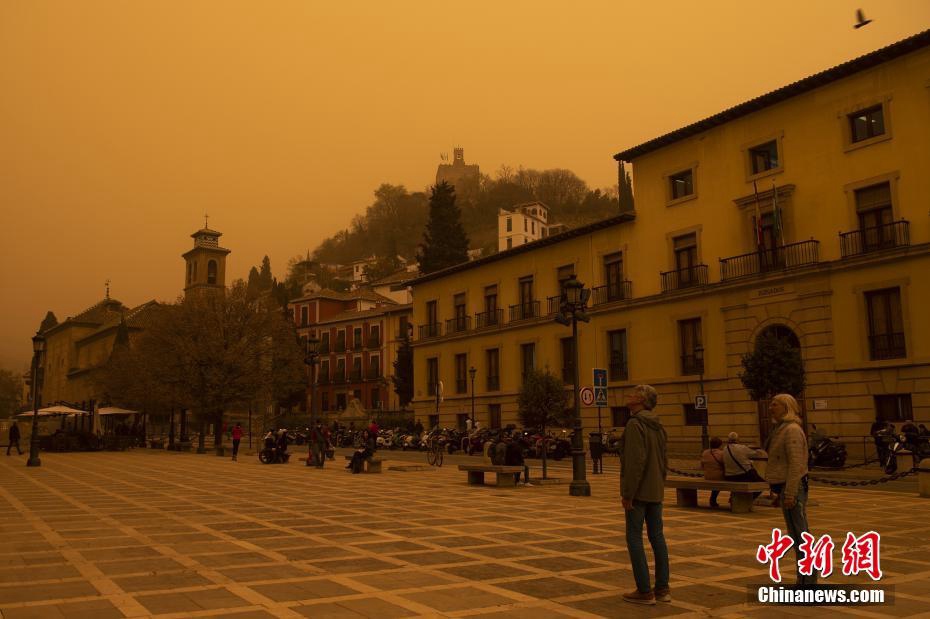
{"x":861,"y":20}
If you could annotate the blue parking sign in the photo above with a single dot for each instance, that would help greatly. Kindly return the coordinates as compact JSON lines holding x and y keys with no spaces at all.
{"x":600,"y":387}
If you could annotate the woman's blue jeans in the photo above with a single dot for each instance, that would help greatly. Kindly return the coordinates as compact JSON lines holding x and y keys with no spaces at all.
{"x":651,"y":514}
{"x":796,"y":523}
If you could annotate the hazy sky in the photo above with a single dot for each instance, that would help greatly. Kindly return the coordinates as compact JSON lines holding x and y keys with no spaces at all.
{"x":122,"y":122}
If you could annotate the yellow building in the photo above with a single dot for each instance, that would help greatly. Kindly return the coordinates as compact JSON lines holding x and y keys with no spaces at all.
{"x":802,"y":213}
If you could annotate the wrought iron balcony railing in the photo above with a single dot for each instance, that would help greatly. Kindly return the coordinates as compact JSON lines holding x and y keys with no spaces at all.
{"x":553,"y":304}
{"x":789,"y":256}
{"x":615,"y":291}
{"x":430,"y":330}
{"x":876,"y":238}
{"x":459,"y":324}
{"x":684,"y":278}
{"x":524,"y":311}
{"x":494,"y":318}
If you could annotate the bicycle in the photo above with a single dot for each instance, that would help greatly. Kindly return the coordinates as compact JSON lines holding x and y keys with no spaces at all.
{"x":434,"y":452}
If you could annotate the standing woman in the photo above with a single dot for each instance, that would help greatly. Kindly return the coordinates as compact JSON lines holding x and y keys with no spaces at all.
{"x":787,"y":470}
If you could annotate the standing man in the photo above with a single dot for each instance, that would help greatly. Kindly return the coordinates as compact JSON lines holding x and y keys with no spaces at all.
{"x":787,"y":471}
{"x":14,"y":439}
{"x":644,"y":462}
{"x":236,"y":439}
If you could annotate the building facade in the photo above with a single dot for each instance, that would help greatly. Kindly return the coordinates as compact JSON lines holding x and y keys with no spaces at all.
{"x":801,"y":214}
{"x":359,"y":333}
{"x":524,"y":224}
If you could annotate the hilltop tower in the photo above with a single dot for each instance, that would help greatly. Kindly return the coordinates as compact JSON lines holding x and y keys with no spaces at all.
{"x":206,"y":262}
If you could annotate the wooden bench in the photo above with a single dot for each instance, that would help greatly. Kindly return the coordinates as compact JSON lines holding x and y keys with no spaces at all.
{"x":372,"y":464}
{"x":505,"y":474}
{"x":686,"y":489}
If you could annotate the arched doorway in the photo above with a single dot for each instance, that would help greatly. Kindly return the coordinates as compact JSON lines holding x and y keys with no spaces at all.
{"x":782,"y":333}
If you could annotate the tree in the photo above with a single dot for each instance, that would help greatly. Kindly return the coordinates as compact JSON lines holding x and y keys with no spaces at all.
{"x":445,"y":243}
{"x":254,"y":287}
{"x":10,"y":393}
{"x":403,"y":372}
{"x":382,"y":267}
{"x":625,"y":190}
{"x":542,"y":403}
{"x":265,"y":278}
{"x":775,"y":366}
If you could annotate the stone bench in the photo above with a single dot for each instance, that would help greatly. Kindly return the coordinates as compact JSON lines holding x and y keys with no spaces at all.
{"x":741,"y":492}
{"x":372,"y":464}
{"x":505,"y":474}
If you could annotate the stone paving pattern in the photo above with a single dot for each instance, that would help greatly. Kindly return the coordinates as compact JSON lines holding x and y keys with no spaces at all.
{"x":146,"y":533}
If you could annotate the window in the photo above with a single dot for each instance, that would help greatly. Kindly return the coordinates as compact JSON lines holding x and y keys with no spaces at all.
{"x":613,"y":276}
{"x":341,"y":341}
{"x":693,"y":417}
{"x":490,"y":305}
{"x":563,"y":274}
{"x":764,"y":157}
{"x":494,"y":416}
{"x":690,"y":333}
{"x":189,"y":270}
{"x":323,"y":375}
{"x":681,"y":184}
{"x":374,"y":336}
{"x":375,"y":397}
{"x":374,"y":366}
{"x":894,"y":408}
{"x":324,"y":401}
{"x":493,"y":360}
{"x":568,"y":360}
{"x":527,"y":360}
{"x":526,"y":298}
{"x":340,"y":375}
{"x":686,"y":259}
{"x":616,"y":353}
{"x":195,"y":271}
{"x":509,"y":225}
{"x":211,"y":272}
{"x":533,"y":227}
{"x":304,"y":315}
{"x":619,"y":415}
{"x":403,"y":328}
{"x":458,"y":310}
{"x":873,"y":207}
{"x":432,"y":320}
{"x":866,"y":124}
{"x":357,"y":338}
{"x":340,"y":401}
{"x":324,"y":342}
{"x":433,"y":421}
{"x":432,"y":375}
{"x":509,"y":243}
{"x":356,"y":369}
{"x":525,"y":225}
{"x":461,"y":373}
{"x":886,"y":325}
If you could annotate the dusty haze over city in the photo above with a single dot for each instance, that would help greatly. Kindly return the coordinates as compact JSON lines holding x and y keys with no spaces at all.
{"x":121,"y":124}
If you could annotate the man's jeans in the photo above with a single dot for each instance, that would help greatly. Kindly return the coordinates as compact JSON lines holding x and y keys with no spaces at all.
{"x":796,"y":522}
{"x":651,"y":514}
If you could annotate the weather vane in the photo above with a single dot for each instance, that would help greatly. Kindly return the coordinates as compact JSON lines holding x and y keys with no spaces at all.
{"x":206,"y":221}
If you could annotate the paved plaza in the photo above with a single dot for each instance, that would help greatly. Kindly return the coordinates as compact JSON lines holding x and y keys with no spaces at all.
{"x":144,"y":533}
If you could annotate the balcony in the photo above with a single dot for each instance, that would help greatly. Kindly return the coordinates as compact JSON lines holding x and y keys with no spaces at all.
{"x":684,"y":278}
{"x":340,"y":346}
{"x":374,"y":342}
{"x":887,"y":346}
{"x":494,"y":383}
{"x":877,"y":238}
{"x":324,"y":348}
{"x":355,"y":376}
{"x":768,"y":260}
{"x":357,"y":345}
{"x":554,"y":303}
{"x":494,"y":318}
{"x":524,"y":311}
{"x":616,"y":291}
{"x":430,"y":331}
{"x":460,"y":324}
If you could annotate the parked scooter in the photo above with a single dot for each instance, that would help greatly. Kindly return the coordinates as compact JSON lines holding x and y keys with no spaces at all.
{"x":825,"y":451}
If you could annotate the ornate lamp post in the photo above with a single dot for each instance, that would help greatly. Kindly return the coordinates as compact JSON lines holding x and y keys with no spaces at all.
{"x":699,"y":358}
{"x":571,"y":310}
{"x":312,"y":359}
{"x":38,"y":348}
{"x":471,"y":373}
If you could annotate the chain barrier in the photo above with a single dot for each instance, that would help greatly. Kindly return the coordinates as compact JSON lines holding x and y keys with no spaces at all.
{"x":868,"y":482}
{"x":685,"y":473}
{"x":843,"y":468}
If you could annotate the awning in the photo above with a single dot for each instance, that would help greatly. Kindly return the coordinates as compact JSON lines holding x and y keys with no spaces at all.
{"x":112,"y":410}
{"x":52,"y":411}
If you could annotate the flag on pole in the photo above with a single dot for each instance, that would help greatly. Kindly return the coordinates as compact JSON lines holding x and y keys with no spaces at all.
{"x":776,"y":217}
{"x":757,"y":220}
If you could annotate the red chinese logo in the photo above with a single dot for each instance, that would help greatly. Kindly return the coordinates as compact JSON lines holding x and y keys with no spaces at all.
{"x":773,"y":552}
{"x":817,"y":555}
{"x":860,"y":554}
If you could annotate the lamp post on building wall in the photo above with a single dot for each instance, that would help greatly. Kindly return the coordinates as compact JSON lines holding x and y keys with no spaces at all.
{"x":472,"y":372}
{"x":38,"y":347}
{"x":312,"y":360}
{"x":699,"y":357}
{"x":571,"y":310}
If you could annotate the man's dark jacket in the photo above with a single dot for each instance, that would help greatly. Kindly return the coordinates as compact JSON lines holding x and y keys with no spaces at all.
{"x":644,"y":459}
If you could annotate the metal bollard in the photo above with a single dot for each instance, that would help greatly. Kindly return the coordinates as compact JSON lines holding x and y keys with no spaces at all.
{"x":923,"y":478}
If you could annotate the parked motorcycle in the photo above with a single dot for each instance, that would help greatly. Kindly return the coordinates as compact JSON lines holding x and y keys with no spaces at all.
{"x":826,"y":452}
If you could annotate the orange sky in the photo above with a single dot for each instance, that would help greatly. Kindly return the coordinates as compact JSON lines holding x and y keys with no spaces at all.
{"x":122,"y":122}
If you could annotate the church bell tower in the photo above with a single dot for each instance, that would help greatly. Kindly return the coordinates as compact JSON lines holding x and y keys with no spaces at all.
{"x":206,"y":262}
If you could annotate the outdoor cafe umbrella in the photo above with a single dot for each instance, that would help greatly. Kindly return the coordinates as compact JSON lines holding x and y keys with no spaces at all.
{"x":53,"y":411}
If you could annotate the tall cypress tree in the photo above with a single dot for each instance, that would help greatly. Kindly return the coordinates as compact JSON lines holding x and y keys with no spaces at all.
{"x":625,"y":189}
{"x":444,"y":241}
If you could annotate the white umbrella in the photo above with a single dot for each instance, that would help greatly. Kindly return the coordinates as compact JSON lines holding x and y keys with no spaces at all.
{"x":113,"y":410}
{"x":51,"y":411}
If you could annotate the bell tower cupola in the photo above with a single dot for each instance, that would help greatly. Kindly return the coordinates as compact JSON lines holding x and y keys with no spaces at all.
{"x":205,"y":263}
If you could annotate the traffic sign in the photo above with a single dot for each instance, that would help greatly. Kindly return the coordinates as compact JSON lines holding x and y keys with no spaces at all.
{"x":600,"y":386}
{"x":600,"y":396}
{"x":587,"y":396}
{"x":700,"y":402}
{"x":600,"y":377}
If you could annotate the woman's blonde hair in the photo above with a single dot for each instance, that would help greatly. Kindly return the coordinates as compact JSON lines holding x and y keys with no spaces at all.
{"x":791,"y":405}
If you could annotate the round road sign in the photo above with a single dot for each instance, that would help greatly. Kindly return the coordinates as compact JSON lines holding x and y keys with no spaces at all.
{"x":587,"y":396}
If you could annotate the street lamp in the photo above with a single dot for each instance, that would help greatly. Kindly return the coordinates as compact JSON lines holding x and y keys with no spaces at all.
{"x":312,"y":359}
{"x":38,"y":347}
{"x":472,"y":372}
{"x":571,"y":310}
{"x":699,"y":358}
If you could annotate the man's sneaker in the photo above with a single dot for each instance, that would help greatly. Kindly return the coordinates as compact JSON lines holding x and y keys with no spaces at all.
{"x":526,"y":483}
{"x":636,"y":597}
{"x":663,"y":594}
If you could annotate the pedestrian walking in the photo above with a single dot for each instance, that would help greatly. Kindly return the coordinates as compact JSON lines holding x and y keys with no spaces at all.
{"x":236,"y":439}
{"x":14,"y":439}
{"x":318,"y":440}
{"x":787,"y":471}
{"x":644,"y":464}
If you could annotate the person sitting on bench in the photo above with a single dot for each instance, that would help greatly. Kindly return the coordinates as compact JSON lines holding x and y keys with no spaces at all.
{"x":737,"y":464}
{"x":712,"y":464}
